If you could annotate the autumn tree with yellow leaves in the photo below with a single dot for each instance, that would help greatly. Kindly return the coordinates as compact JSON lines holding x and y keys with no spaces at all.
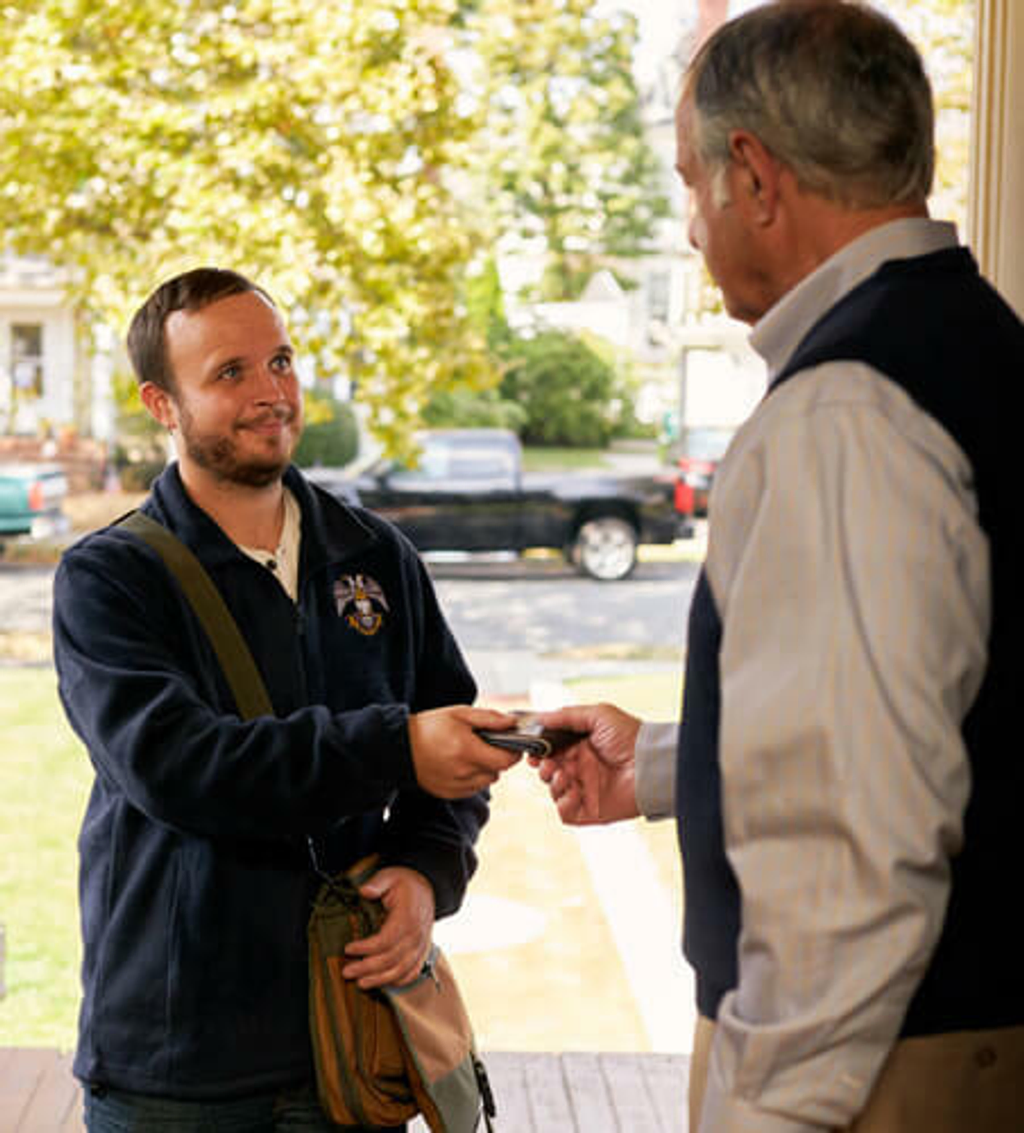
{"x":311,"y":145}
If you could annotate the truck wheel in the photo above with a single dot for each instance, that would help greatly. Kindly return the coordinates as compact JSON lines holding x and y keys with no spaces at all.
{"x":605,"y":548}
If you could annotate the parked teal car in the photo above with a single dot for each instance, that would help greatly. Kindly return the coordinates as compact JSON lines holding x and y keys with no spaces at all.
{"x":31,"y":501}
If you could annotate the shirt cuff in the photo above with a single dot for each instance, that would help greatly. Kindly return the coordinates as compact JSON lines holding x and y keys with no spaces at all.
{"x":724,"y":1114}
{"x":655,"y":769}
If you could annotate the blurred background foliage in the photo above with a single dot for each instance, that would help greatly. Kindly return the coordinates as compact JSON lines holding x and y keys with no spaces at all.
{"x":360,"y":159}
{"x":364,"y":160}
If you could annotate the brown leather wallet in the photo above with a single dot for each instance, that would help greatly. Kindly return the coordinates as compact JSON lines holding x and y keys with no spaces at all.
{"x":530,"y":737}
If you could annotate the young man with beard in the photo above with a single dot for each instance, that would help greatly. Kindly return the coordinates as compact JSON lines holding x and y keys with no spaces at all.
{"x":196,"y":876}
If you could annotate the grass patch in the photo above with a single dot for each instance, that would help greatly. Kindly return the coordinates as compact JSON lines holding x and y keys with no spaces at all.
{"x":562,"y":459}
{"x":89,"y":510}
{"x":44,"y":779}
{"x":26,"y":647}
{"x":25,"y":551}
{"x":651,"y":696}
{"x":693,"y":550}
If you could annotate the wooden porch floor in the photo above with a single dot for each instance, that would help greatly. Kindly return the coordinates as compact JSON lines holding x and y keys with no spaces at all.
{"x":535,"y":1093}
{"x":37,"y":1092}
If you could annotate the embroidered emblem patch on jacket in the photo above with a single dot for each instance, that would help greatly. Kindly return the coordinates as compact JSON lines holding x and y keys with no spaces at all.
{"x":361,"y":602}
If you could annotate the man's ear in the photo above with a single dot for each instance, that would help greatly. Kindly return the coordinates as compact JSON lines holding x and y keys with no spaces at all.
{"x":160,"y":404}
{"x":757,"y":175}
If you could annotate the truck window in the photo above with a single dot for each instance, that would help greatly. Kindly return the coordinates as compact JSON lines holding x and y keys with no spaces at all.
{"x":482,"y":464}
{"x":435,"y":464}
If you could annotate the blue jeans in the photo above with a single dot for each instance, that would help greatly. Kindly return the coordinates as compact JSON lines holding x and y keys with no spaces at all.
{"x":295,"y":1110}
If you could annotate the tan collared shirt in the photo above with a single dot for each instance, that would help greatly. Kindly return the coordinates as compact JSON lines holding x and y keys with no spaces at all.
{"x":852,"y":579}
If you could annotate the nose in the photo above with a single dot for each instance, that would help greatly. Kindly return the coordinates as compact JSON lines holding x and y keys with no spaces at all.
{"x":271,"y":385}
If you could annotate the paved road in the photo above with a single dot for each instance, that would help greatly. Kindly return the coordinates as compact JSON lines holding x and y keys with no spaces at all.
{"x":24,"y":598}
{"x":546,"y":607}
{"x":521,"y":623}
{"x":540,"y":606}
{"x":528,"y":625}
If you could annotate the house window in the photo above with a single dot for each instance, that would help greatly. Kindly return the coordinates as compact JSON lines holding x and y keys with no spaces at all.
{"x":658,"y":283}
{"x":27,"y":359}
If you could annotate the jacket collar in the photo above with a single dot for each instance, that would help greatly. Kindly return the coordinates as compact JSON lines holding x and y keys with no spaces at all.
{"x":331,"y":530}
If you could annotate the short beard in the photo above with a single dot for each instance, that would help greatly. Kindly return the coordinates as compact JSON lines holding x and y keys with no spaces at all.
{"x":219,"y":456}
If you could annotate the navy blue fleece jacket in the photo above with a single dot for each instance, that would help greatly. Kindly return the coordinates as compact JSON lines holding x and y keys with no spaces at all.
{"x":195,"y":881}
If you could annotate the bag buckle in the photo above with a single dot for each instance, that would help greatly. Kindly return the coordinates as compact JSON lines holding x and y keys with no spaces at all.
{"x":486,"y":1093}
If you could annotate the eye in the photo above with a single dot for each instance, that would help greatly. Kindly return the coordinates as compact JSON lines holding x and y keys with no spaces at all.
{"x":230,"y":373}
{"x":281,"y":363}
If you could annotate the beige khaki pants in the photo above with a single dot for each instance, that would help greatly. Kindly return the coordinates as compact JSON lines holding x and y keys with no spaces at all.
{"x":962,"y":1082}
{"x":703,"y":1034}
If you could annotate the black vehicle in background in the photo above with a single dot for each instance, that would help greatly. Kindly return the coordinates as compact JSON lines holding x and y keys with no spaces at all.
{"x":468,"y":492}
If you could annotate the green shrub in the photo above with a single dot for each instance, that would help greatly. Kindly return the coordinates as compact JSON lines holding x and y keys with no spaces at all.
{"x":473,"y":409}
{"x":136,"y":471}
{"x":570,"y":395}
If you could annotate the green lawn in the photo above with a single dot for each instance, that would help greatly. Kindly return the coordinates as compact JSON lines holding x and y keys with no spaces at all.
{"x":44,"y":778}
{"x":651,"y":696}
{"x":562,"y":459}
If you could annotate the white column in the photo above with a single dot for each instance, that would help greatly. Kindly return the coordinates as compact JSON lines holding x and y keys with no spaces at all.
{"x":996,"y":206}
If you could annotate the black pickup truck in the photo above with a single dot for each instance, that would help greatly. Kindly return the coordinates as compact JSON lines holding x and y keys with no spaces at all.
{"x":469,"y":493}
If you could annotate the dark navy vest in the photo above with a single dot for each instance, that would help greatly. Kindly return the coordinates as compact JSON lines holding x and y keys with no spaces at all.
{"x":936,"y":328}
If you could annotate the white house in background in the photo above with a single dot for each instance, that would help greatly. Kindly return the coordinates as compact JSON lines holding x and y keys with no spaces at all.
{"x":37,"y":347}
{"x":603,"y":309}
{"x":695,"y":370}
{"x":49,"y":378}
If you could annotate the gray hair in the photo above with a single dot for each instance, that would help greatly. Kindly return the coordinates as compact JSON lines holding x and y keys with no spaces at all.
{"x":834,"y":90}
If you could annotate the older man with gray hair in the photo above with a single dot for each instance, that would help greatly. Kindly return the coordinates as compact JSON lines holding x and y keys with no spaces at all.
{"x":845,"y":789}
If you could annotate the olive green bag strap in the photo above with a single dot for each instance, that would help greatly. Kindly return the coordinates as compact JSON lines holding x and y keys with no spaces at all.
{"x":234,"y":655}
